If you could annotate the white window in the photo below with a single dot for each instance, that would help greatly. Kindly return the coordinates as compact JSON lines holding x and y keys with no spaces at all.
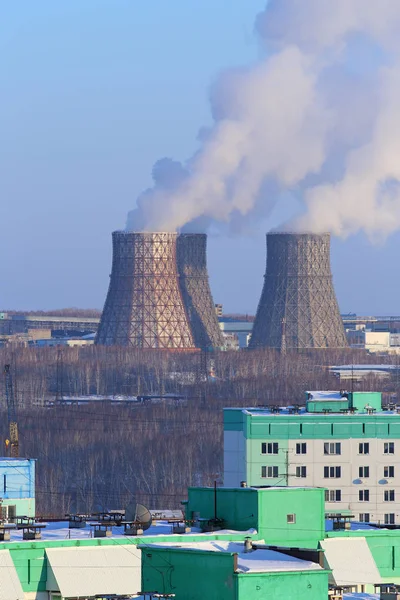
{"x":363,"y":472}
{"x":301,"y":448}
{"x":363,"y":495}
{"x":332,"y":472}
{"x":363,"y":517}
{"x":388,"y":471}
{"x":301,"y":471}
{"x":270,"y":472}
{"x":269,"y":448}
{"x":333,"y":495}
{"x":389,"y":518}
{"x":389,"y":495}
{"x":363,"y":448}
{"x":332,"y":448}
{"x":291,"y":518}
{"x":388,"y":448}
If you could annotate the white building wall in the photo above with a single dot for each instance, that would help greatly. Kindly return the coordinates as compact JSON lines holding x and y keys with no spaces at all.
{"x":350,"y":483}
{"x":234,"y":458}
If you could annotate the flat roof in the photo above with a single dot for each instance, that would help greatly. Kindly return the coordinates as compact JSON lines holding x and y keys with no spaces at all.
{"x":56,"y":531}
{"x":260,"y":560}
{"x":287,"y":411}
{"x":327,"y":395}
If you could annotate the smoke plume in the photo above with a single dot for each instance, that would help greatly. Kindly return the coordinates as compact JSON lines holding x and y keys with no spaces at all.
{"x":318,"y":116}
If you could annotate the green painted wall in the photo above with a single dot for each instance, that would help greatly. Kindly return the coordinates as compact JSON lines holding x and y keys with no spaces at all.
{"x":233,"y":420}
{"x":266,"y":510}
{"x":196,"y":575}
{"x":318,"y":406}
{"x":31,"y":563}
{"x":301,"y":585}
{"x":274,"y":427}
{"x":360,"y":399}
{"x":237,"y":506}
{"x":189,"y":574}
{"x":308,"y":506}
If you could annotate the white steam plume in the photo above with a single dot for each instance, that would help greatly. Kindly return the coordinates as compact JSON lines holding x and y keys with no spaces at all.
{"x":319,"y":116}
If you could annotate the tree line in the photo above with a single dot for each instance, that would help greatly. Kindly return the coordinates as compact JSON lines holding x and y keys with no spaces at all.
{"x":102,"y":455}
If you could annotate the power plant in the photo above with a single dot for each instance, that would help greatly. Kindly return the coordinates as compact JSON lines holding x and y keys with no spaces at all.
{"x":298,"y":306}
{"x":196,"y":292}
{"x":144,"y":306}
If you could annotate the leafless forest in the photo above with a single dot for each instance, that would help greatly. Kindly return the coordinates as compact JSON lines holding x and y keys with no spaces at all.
{"x":102,"y":454}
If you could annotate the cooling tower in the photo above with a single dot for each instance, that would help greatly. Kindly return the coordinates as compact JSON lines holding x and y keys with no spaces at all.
{"x":144,"y":305}
{"x":298,"y":306}
{"x":195,"y":289}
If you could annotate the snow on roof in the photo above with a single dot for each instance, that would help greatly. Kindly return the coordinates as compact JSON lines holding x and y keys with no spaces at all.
{"x":350,"y":560}
{"x":55,"y":531}
{"x":286,"y":411}
{"x":354,"y":526}
{"x":321,"y":396}
{"x":361,"y":596}
{"x":257,"y":561}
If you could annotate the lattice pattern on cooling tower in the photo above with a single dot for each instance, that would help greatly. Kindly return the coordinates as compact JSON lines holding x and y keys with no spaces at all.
{"x":144,"y":306}
{"x":196,"y":292}
{"x":298,"y":306}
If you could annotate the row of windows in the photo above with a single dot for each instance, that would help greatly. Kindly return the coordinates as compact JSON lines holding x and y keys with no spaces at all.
{"x":363,"y":496}
{"x":329,"y":448}
{"x":273,"y":472}
{"x":387,"y":471}
{"x":389,"y":518}
{"x":334,"y":472}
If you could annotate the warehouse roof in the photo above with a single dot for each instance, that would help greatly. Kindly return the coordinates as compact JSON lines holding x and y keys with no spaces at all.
{"x":351,"y":561}
{"x":87,"y":571}
{"x":10,"y":586}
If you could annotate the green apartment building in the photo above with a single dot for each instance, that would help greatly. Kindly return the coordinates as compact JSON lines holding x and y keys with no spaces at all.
{"x":344,"y":443}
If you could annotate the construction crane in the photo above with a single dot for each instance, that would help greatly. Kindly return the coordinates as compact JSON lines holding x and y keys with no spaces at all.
{"x":12,"y":442}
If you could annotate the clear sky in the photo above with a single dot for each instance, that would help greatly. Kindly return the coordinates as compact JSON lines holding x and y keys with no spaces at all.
{"x":92,"y":93}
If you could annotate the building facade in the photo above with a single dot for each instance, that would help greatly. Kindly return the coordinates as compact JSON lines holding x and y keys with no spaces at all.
{"x":345,"y":444}
{"x":17,"y":487}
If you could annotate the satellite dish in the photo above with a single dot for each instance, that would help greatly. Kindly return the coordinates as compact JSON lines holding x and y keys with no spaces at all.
{"x":139,"y":514}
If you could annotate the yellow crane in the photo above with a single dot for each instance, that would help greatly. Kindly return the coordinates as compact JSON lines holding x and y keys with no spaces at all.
{"x":12,"y":443}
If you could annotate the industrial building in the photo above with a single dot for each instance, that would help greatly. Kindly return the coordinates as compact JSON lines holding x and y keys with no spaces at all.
{"x":191,"y":256}
{"x":298,"y":307}
{"x":343,"y":442}
{"x":234,"y":544}
{"x":234,"y":571}
{"x":144,"y":306}
{"x":17,"y":487}
{"x":11,"y":324}
{"x":159,"y":294}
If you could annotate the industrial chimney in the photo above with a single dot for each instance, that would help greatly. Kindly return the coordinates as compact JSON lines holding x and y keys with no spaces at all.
{"x":195,"y":289}
{"x":144,"y":305}
{"x":298,"y":306}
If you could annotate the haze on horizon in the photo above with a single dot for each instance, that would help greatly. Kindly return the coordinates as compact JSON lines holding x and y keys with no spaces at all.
{"x":95,"y":93}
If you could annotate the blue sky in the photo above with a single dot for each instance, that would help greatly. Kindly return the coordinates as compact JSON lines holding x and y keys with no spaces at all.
{"x":92,"y":93}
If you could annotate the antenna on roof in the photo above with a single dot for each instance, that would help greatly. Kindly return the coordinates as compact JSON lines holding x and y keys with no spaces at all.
{"x":139,"y":515}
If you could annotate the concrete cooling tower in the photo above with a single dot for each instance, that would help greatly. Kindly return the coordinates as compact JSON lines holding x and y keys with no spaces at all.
{"x":298,"y":307}
{"x":195,"y":289}
{"x":144,"y":306}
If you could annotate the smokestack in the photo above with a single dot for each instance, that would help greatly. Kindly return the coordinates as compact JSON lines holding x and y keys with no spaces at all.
{"x":298,"y":306}
{"x":195,"y":289}
{"x":144,"y":305}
